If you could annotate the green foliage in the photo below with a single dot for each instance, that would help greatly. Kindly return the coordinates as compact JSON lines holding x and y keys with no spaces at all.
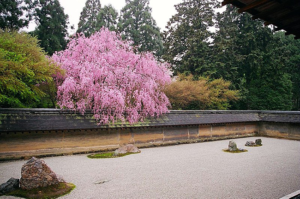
{"x":186,"y":41}
{"x":52,"y":25}
{"x":290,"y":48}
{"x":220,"y":94}
{"x":15,"y":14}
{"x":226,"y":57}
{"x":88,"y":18}
{"x":137,"y":24}
{"x":247,"y":53}
{"x":107,"y":17}
{"x":263,"y":66}
{"x":23,"y":66}
{"x":93,"y":18}
{"x":49,"y":99}
{"x":271,"y":94}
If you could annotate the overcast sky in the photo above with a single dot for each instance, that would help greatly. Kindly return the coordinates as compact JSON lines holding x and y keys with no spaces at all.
{"x":162,"y":10}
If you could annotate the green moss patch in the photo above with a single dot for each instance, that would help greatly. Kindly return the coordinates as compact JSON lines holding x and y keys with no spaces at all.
{"x":237,"y":151}
{"x":254,"y":145}
{"x":108,"y":155}
{"x":53,"y":191}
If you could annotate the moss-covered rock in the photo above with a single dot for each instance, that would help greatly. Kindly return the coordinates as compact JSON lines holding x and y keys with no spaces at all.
{"x":107,"y":155}
{"x":53,"y":191}
{"x":236,"y":151}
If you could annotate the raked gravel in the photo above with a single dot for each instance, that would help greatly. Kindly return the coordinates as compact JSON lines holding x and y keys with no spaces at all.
{"x":200,"y":170}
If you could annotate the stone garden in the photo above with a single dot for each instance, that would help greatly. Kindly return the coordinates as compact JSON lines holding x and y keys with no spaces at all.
{"x":198,"y":170}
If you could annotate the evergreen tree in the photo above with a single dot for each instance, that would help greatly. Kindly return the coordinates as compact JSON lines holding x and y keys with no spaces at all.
{"x":51,"y":27}
{"x":186,"y":40}
{"x":242,"y":51}
{"x":15,"y":14}
{"x":247,"y":54}
{"x":137,"y":24}
{"x":225,"y":55}
{"x":107,"y":17}
{"x":88,"y":17}
{"x":290,"y":49}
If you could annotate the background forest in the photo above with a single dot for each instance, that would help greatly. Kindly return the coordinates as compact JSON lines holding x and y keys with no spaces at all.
{"x":219,"y":60}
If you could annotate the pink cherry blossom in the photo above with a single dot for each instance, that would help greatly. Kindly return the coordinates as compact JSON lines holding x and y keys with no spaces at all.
{"x":105,"y":75}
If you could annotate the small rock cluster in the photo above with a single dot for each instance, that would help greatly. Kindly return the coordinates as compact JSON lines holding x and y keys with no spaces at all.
{"x":129,"y":148}
{"x":35,"y":173}
{"x":250,"y":143}
{"x":256,"y":143}
{"x":232,"y":147}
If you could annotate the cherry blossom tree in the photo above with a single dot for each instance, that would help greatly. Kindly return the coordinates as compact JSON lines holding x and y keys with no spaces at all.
{"x":105,"y":75}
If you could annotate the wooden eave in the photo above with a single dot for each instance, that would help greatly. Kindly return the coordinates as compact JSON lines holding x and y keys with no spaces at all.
{"x":284,"y":14}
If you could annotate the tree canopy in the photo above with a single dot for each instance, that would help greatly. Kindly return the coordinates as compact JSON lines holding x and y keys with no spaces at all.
{"x":104,"y":74}
{"x":51,"y":27}
{"x":188,"y":93}
{"x":15,"y":14}
{"x":186,"y":40}
{"x":23,"y":66}
{"x":137,"y":24}
{"x":107,"y":17}
{"x":88,"y":17}
{"x":249,"y":54}
{"x":226,"y":48}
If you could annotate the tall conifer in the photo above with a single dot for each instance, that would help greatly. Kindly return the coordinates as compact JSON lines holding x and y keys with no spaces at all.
{"x":137,"y":24}
{"x":88,"y":17}
{"x":107,"y":17}
{"x":51,"y":27}
{"x":186,"y":39}
{"x":15,"y":14}
{"x":247,"y":53}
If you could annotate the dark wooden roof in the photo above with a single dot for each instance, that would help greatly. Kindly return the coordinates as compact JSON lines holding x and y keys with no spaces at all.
{"x":284,"y":14}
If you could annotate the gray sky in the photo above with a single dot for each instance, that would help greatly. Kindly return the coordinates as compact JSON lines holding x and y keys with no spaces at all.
{"x":162,"y":10}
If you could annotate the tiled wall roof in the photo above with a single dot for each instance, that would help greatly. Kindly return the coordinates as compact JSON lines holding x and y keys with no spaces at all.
{"x":55,"y":119}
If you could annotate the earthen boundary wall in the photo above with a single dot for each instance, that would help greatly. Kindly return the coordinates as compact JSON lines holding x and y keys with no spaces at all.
{"x":46,"y":132}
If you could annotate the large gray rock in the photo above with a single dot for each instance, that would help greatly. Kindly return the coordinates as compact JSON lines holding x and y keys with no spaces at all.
{"x":35,"y":173}
{"x":129,"y":148}
{"x":11,"y":185}
{"x":250,"y":143}
{"x":258,"y":142}
{"x":232,"y":146}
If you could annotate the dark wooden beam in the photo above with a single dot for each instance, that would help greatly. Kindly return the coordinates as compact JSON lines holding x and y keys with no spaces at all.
{"x":295,"y":32}
{"x":253,"y":5}
{"x":268,"y":23}
{"x":287,"y":25}
{"x":290,"y":15}
{"x":274,"y":9}
{"x":288,"y":33}
{"x":282,"y":13}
